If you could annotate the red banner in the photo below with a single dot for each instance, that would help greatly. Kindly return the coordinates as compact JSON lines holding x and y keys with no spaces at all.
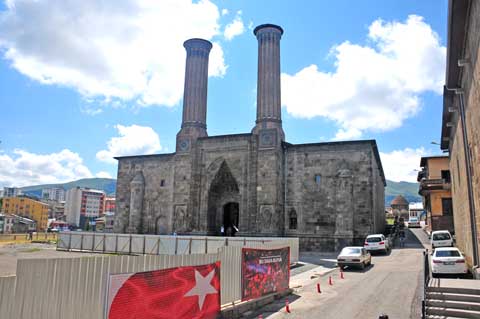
{"x":264,"y":271}
{"x":182,"y":292}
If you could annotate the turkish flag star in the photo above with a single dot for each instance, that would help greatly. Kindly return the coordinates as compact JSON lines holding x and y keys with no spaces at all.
{"x":202,"y":287}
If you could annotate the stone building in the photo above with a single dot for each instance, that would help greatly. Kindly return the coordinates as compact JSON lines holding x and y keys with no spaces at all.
{"x":327,"y":194}
{"x":460,"y":123}
{"x":399,"y":207}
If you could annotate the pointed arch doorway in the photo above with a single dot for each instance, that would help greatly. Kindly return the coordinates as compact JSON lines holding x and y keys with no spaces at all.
{"x":223,"y":203}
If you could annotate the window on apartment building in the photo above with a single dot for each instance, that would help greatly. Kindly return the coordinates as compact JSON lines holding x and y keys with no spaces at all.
{"x":318,"y":179}
{"x":446,"y":176}
{"x":447,"y":207}
{"x":162,"y":183}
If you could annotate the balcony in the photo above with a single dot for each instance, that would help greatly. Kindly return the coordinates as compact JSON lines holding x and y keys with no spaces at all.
{"x":428,"y":185}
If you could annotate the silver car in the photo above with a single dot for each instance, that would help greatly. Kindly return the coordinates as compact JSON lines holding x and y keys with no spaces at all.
{"x":354,"y":256}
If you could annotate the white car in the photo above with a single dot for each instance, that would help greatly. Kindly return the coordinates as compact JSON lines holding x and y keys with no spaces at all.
{"x":377,"y":242}
{"x":413,"y":222}
{"x":354,"y":256}
{"x":441,"y":238}
{"x":448,"y":260}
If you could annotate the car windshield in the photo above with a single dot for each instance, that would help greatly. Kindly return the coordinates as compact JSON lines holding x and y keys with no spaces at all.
{"x":447,"y":253}
{"x":441,"y":236}
{"x":374,"y":239}
{"x":350,"y":251}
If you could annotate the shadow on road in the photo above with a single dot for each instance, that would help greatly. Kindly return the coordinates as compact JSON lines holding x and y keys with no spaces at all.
{"x":357,"y":269}
{"x":411,"y":241}
{"x":276,"y":306}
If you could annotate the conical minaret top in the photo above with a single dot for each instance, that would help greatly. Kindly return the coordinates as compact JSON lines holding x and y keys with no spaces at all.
{"x":269,"y":115}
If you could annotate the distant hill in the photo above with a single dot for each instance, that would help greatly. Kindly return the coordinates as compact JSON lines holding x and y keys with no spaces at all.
{"x":108,"y":185}
{"x":406,"y":189}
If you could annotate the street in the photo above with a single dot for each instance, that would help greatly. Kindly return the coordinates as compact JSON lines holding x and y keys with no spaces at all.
{"x":392,"y":285}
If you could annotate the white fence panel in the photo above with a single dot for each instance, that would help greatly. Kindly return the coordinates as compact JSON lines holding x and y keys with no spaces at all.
{"x":172,"y":245}
{"x":7,"y":296}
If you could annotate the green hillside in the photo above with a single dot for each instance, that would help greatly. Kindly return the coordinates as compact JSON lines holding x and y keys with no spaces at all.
{"x":406,"y":189}
{"x":108,"y":185}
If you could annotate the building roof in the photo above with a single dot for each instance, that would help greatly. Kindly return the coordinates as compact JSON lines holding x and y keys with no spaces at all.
{"x":457,"y":18}
{"x":415,"y":206}
{"x":399,"y":200}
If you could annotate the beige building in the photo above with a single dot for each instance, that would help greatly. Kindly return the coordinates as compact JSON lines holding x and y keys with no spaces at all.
{"x":461,"y":122}
{"x":435,"y":185}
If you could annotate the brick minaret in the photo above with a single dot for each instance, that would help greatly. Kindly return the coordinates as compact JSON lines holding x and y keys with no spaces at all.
{"x":269,"y":115}
{"x":194,"y":120}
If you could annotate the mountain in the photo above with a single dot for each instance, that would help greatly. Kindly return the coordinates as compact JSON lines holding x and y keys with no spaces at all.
{"x":406,"y":189}
{"x":108,"y":185}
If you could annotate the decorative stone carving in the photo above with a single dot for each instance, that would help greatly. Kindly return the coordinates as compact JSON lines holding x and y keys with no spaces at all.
{"x":181,"y":219}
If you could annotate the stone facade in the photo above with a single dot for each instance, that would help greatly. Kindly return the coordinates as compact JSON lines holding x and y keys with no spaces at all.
{"x":327,"y":194}
{"x":463,"y":72}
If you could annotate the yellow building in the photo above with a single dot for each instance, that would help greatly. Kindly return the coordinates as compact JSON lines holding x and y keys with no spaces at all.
{"x":435,"y":188}
{"x":29,"y":208}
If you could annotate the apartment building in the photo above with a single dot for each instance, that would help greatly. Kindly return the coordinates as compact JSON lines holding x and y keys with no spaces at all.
{"x":83,"y":206}
{"x":29,"y":208}
{"x":435,"y":189}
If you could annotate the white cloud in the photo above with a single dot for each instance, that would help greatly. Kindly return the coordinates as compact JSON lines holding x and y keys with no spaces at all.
{"x":132,"y":140}
{"x":374,"y":87}
{"x":103,"y":174}
{"x":401,"y":165}
{"x":224,"y":12}
{"x":113,"y":50}
{"x":235,"y":27}
{"x":25,"y":168}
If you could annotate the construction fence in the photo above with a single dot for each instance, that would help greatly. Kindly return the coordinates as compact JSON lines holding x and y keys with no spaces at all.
{"x":75,"y":288}
{"x":164,"y":244}
{"x":38,"y":236}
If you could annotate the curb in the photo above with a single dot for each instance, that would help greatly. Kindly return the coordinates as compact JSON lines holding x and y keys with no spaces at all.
{"x":236,"y":310}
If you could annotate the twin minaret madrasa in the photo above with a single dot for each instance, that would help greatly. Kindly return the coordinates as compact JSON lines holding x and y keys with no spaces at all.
{"x":269,"y":115}
{"x":254,"y":184}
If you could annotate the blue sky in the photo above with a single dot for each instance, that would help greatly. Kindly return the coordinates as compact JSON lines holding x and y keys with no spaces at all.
{"x":83,"y":81}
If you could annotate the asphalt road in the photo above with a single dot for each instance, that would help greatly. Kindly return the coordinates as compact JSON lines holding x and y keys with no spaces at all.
{"x":392,"y":285}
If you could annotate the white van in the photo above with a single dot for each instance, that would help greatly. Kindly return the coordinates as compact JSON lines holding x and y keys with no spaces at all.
{"x":441,"y":238}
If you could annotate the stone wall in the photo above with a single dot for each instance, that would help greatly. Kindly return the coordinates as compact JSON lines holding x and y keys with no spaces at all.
{"x":331,"y":188}
{"x":328,"y":194}
{"x":471,"y":84}
{"x":159,"y":174}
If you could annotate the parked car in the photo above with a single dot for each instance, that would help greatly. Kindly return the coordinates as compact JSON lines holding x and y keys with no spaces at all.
{"x":448,"y":260}
{"x":377,"y":242}
{"x":413,"y":222}
{"x":354,"y":256}
{"x":441,"y":238}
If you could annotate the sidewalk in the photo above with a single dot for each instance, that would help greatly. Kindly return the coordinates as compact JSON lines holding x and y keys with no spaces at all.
{"x":313,"y":265}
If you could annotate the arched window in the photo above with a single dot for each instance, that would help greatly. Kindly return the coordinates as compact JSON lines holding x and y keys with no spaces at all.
{"x":293,"y":219}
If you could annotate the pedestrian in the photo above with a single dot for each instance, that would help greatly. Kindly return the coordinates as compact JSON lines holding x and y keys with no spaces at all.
{"x":222,"y":231}
{"x":402,"y":238}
